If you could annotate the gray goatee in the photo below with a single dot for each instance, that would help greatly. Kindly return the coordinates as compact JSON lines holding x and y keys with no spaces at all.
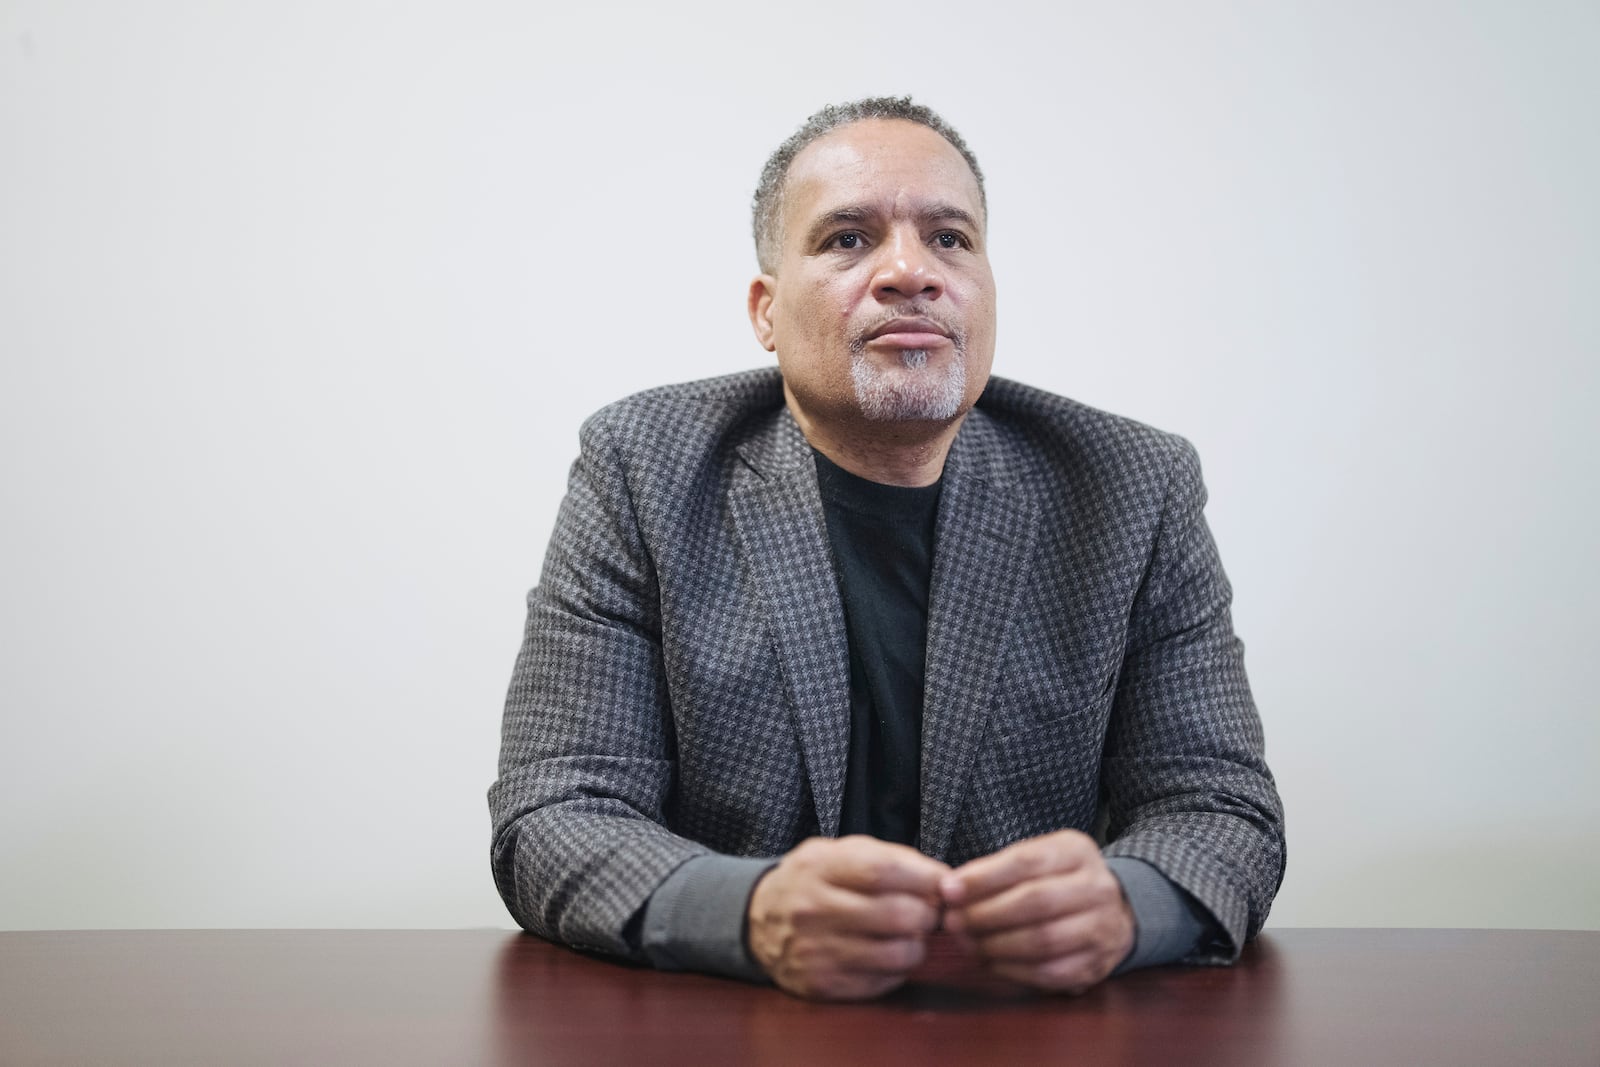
{"x":913,"y":389}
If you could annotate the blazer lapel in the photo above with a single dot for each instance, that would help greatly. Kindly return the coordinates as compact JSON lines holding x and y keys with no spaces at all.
{"x":984,"y":538}
{"x":781,"y":533}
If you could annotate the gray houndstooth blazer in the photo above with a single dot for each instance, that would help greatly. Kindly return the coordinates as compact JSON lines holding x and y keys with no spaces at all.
{"x":683,"y":683}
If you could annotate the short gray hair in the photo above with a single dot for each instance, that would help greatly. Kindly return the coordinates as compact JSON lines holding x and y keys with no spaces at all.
{"x":767,"y":206}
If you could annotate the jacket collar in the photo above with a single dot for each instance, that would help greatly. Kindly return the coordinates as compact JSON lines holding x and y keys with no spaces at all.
{"x":984,"y":537}
{"x":776,"y":447}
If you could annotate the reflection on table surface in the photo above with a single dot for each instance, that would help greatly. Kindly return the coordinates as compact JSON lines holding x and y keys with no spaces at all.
{"x":489,"y":996}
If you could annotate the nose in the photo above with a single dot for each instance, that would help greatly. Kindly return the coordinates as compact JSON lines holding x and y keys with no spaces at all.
{"x":907,"y":269}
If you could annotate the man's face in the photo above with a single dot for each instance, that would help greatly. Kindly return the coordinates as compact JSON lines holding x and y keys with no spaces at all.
{"x":882,"y":307}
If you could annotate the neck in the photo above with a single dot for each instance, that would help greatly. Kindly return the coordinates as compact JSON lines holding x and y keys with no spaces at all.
{"x":910,"y":453}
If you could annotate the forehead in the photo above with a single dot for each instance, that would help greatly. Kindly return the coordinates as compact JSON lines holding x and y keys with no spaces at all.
{"x":878,"y":163}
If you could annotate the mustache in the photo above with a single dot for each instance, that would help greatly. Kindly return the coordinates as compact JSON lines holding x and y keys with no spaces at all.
{"x":915,"y":309}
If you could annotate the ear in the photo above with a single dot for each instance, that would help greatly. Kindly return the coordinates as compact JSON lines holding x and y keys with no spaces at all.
{"x":763,"y":290}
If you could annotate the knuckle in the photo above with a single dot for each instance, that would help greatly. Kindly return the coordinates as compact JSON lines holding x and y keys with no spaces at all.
{"x":816,"y":849}
{"x":805,"y":910}
{"x":800,"y":860}
{"x":1073,"y":848}
{"x":900,"y":954}
{"x":873,"y":876}
{"x":1069,"y":976}
{"x":859,"y":848}
{"x":1034,"y":861}
{"x":807,"y":954}
{"x":1036,"y":896}
{"x":1054,"y":939}
{"x":893,"y":916}
{"x":909,"y":954}
{"x":1075,"y":840}
{"x":910,"y":916}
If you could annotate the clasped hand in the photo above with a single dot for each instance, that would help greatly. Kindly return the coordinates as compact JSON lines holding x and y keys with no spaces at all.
{"x":848,"y":918}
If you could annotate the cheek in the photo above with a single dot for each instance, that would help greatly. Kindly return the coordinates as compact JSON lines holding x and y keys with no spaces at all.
{"x":821,"y":319}
{"x":980,"y":306}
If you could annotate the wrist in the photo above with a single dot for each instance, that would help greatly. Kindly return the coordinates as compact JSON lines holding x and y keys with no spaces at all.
{"x":756,"y":909}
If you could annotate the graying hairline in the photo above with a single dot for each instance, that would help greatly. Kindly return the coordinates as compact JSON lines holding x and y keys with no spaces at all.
{"x":768,"y":224}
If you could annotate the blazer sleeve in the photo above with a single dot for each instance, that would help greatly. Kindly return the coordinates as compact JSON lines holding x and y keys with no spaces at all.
{"x":579,"y":835}
{"x":1184,"y":772}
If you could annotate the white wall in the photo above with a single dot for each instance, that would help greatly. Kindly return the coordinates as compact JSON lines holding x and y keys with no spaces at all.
{"x":301,"y":305}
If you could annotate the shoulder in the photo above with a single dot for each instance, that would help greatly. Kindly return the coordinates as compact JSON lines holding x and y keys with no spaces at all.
{"x":678,"y":443}
{"x":1065,"y":442}
{"x":687,"y":415}
{"x":709,"y":397}
{"x":1095,"y":477}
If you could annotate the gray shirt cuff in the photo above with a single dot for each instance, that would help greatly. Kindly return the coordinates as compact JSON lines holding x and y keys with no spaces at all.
{"x":695,"y":920}
{"x":1170,"y":924}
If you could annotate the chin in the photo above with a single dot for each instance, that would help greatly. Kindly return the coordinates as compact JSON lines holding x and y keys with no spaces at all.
{"x":910,"y":392}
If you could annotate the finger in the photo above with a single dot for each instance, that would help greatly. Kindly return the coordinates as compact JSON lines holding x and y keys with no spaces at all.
{"x":1038,"y":900}
{"x":868,"y":865}
{"x":1055,"y":853}
{"x":872,"y":915}
{"x":839,"y":985}
{"x":1045,"y":941}
{"x":1073,"y":974}
{"x":878,"y":955}
{"x":839,"y":967}
{"x":897,"y":915}
{"x":866,"y":986}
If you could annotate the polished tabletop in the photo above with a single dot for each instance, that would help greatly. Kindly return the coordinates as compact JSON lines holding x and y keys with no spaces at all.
{"x":490,"y":996}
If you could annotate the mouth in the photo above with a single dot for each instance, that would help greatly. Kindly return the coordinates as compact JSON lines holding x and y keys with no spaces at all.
{"x":909,"y":332}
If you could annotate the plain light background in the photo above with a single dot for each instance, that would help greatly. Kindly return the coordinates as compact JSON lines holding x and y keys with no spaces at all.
{"x":301,"y":305}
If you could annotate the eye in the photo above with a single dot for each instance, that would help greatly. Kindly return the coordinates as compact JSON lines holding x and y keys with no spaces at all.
{"x":848,"y":241}
{"x":949,"y":239}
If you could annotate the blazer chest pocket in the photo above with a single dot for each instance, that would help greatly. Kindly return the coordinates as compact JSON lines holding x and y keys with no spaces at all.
{"x":1039,"y":776}
{"x":1052,"y":700}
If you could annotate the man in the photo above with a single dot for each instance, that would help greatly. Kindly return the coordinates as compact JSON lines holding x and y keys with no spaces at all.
{"x":826,"y":658}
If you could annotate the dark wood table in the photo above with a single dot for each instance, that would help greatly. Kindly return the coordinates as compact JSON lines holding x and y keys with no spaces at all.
{"x":466,"y":997}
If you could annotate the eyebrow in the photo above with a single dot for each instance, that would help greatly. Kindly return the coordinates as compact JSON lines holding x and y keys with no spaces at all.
{"x":857,"y":213}
{"x":941,"y":212}
{"x":837,"y":217}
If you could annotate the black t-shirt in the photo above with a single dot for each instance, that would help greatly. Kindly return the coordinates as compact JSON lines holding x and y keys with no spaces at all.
{"x":882,"y":540}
